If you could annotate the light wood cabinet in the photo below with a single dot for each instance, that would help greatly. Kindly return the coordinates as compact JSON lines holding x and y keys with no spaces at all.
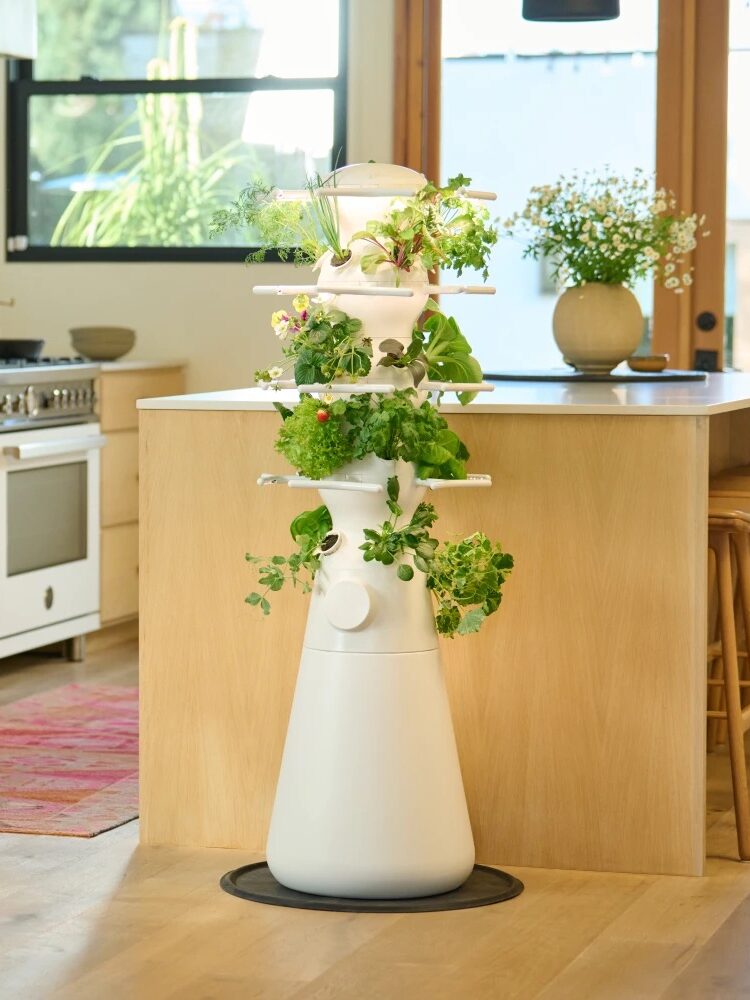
{"x":117,"y":392}
{"x":119,"y":572}
{"x":119,"y":494}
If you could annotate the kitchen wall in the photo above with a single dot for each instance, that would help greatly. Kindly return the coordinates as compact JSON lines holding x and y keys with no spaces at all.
{"x":203,"y":313}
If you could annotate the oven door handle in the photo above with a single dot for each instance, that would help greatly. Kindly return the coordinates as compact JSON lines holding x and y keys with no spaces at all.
{"x":47,"y":449}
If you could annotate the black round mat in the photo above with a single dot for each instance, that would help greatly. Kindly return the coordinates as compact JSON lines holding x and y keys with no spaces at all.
{"x":484,"y":886}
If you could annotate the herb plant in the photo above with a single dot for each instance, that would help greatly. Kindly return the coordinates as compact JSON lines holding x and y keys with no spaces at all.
{"x":609,"y":230}
{"x":436,"y":227}
{"x":308,"y":530}
{"x":465,"y":577}
{"x":300,"y":230}
{"x":318,"y":436}
{"x":389,"y":543}
{"x":466,"y":580}
{"x":438,"y":349}
{"x":320,"y":343}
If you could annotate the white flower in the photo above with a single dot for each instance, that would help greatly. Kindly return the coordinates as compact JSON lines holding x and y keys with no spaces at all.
{"x":608,"y":222}
{"x":584,"y":238}
{"x":328,"y":398}
{"x":687,"y":279}
{"x":672,"y":282}
{"x":275,"y":372}
{"x":669,"y":268}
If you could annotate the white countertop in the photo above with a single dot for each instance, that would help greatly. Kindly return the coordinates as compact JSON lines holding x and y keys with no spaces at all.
{"x":719,"y":393}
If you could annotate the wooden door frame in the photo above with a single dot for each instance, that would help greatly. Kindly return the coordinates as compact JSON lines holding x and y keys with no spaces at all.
{"x":691,"y":160}
{"x":416,"y":89}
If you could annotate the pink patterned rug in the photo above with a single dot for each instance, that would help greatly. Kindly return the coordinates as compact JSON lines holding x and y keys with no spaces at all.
{"x":69,"y":761}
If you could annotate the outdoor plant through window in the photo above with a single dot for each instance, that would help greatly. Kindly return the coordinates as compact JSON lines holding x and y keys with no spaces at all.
{"x":140,"y":118}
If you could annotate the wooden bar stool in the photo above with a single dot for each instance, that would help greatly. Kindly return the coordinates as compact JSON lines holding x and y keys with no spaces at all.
{"x":730,"y":485}
{"x":729,"y":529}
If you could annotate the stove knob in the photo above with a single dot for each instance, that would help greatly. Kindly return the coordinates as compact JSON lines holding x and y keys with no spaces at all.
{"x":30,"y":399}
{"x":21,"y":403}
{"x":65,"y":398}
{"x":56,"y":399}
{"x":7,"y":405}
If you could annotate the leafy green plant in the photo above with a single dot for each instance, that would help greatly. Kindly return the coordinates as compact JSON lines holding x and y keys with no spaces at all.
{"x":389,"y":543}
{"x":436,"y":227}
{"x":393,"y":427}
{"x":465,"y":577}
{"x":308,"y":531}
{"x":300,"y":230}
{"x":320,"y":343}
{"x":318,"y":436}
{"x":315,"y":446}
{"x":438,"y":349}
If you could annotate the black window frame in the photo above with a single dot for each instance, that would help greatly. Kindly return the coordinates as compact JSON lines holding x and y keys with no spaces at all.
{"x":21,"y":87}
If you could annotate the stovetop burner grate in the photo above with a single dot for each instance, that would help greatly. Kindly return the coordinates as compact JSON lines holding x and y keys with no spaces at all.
{"x":40,"y":362}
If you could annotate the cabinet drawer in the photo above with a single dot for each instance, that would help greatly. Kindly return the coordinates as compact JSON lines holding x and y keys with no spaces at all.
{"x":118,"y":392}
{"x":120,"y":478}
{"x":119,"y":570}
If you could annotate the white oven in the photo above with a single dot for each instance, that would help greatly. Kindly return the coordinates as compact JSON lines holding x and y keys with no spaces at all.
{"x":49,"y":535}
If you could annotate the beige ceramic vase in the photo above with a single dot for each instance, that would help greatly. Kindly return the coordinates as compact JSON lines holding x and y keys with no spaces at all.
{"x":597,"y":326}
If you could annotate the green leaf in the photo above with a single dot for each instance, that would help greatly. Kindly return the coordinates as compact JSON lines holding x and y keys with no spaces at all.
{"x":265,"y":607}
{"x":405,"y":572}
{"x":253,"y":598}
{"x":283,"y":410}
{"x":315,"y":524}
{"x":393,"y":488}
{"x":471,"y":621}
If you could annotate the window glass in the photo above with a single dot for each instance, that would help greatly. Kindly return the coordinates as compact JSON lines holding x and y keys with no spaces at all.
{"x":121,"y":39}
{"x":47,"y":517}
{"x":150,"y":169}
{"x":522,"y":103}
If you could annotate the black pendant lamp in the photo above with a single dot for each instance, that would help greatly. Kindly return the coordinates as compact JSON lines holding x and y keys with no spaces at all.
{"x":571,"y":10}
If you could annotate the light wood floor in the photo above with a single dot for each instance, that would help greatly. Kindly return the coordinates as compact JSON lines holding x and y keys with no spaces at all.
{"x":103,"y":919}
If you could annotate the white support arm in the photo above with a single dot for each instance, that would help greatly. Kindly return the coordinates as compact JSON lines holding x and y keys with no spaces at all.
{"x":338,"y":389}
{"x":303,"y":483}
{"x":457,"y":386}
{"x":385,"y":291}
{"x":447,"y":484}
{"x":462,"y":289}
{"x":354,"y":191}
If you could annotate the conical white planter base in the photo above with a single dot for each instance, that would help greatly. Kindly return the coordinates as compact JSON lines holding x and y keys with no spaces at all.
{"x":370,"y":802}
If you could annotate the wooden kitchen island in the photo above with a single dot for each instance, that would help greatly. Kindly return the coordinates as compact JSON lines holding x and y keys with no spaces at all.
{"x":579,"y":708}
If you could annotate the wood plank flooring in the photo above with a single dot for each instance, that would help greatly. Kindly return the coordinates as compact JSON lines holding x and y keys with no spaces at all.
{"x":105,"y":919}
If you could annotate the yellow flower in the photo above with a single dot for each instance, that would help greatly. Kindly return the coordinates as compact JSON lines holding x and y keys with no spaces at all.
{"x":301,"y":303}
{"x":278,"y":318}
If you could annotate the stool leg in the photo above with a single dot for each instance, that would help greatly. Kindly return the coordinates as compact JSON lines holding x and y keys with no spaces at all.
{"x":715,"y":668}
{"x":735,"y":729}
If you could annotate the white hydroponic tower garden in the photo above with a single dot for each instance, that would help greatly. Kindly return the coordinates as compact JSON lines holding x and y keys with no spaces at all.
{"x":370,"y":801}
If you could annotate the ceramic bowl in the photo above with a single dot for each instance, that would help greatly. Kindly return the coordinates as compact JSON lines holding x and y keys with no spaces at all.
{"x":102,"y":343}
{"x":648,"y":363}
